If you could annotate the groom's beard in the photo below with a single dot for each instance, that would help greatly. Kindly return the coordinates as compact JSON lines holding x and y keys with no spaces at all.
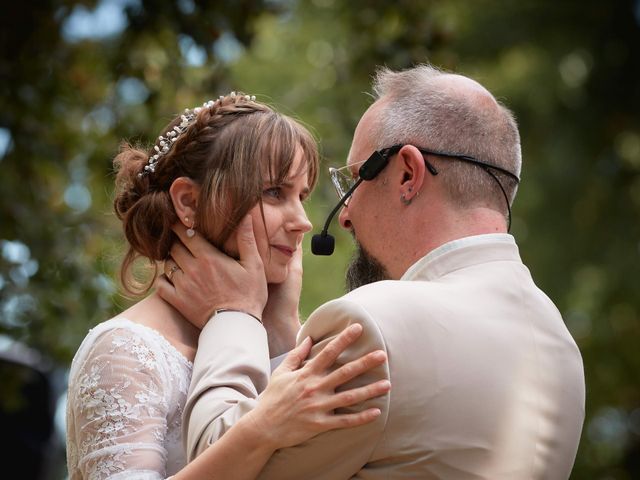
{"x":364,"y":269}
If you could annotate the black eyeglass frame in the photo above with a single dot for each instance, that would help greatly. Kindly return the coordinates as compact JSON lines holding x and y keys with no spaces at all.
{"x":379,"y":159}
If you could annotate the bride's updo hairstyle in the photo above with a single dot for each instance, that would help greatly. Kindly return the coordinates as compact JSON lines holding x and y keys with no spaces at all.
{"x":230,"y":148}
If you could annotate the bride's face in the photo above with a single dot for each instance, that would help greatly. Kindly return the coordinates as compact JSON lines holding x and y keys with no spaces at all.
{"x":285,"y":220}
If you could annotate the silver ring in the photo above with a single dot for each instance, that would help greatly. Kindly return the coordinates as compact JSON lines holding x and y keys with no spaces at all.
{"x":172,"y":270}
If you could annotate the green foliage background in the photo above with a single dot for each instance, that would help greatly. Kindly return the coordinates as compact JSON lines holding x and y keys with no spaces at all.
{"x":569,"y":69}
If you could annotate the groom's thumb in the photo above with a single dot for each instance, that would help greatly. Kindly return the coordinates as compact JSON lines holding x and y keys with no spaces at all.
{"x":247,"y":248}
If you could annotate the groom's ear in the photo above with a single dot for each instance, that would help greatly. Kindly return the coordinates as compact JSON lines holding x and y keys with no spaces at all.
{"x":184,"y":194}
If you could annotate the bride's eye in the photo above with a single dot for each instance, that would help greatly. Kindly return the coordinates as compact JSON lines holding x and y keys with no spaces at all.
{"x":272,"y":192}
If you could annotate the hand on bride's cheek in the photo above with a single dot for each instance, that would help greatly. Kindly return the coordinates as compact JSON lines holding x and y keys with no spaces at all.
{"x":281,"y":316}
{"x":275,"y":271}
{"x":280,"y":222}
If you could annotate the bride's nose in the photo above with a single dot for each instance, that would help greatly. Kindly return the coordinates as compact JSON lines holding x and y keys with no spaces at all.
{"x":298,"y":220}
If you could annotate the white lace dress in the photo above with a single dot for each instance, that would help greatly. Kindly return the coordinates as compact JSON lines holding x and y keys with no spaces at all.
{"x":127,"y":389}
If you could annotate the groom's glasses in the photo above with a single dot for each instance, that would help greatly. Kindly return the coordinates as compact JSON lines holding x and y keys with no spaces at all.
{"x":343,"y":181}
{"x":346,"y":184}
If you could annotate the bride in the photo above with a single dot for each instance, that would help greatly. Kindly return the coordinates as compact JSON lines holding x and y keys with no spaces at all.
{"x":231,"y":162}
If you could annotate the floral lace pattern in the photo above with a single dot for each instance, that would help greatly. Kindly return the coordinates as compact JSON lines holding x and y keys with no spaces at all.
{"x":127,"y":390}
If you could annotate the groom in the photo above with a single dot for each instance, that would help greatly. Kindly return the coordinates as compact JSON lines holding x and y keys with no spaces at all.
{"x":486,"y":380}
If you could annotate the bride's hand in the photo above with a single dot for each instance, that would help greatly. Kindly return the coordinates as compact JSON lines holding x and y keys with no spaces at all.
{"x":280,"y":316}
{"x":299,"y":403}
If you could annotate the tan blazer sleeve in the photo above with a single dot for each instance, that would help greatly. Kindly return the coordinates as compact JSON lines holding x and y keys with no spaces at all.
{"x":230,"y":369}
{"x":338,"y":454}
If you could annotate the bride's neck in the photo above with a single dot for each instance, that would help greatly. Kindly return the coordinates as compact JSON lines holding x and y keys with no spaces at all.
{"x":154,"y":312}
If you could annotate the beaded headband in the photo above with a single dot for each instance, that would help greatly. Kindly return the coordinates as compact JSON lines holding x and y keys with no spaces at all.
{"x":166,"y":141}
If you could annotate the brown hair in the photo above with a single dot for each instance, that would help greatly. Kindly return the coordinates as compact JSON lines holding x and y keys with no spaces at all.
{"x":230,"y":149}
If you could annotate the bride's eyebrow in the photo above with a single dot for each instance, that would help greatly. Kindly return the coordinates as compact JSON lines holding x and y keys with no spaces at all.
{"x":285,"y":184}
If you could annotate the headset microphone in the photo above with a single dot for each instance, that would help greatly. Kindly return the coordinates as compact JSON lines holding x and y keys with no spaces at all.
{"x":323,"y":243}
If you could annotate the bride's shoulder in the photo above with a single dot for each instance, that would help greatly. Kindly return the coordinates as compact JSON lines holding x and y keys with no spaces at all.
{"x":116,"y":327}
{"x":119,"y":337}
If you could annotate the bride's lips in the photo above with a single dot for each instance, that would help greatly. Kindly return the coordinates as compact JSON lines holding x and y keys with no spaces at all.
{"x":288,"y":251}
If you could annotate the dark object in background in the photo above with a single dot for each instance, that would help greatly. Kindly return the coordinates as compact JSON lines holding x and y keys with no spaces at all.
{"x":31,"y":444}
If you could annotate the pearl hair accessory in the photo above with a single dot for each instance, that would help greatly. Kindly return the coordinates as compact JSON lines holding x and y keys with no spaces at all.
{"x":166,"y":141}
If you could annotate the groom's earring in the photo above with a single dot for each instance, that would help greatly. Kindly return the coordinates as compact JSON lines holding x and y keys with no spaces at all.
{"x":190,"y":231}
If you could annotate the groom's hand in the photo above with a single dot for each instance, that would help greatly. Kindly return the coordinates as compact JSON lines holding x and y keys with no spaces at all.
{"x":280,"y":316}
{"x":205,"y":279}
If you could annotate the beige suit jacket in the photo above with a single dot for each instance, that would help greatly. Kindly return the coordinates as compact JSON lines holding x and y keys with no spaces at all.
{"x":487,"y":382}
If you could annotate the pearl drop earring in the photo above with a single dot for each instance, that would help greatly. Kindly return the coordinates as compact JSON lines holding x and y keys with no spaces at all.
{"x":190,"y":231}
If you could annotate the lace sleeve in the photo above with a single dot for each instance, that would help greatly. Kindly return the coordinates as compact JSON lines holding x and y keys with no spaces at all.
{"x":118,"y":410}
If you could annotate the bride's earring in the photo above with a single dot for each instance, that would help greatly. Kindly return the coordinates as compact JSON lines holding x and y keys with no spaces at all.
{"x":190,"y":231}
